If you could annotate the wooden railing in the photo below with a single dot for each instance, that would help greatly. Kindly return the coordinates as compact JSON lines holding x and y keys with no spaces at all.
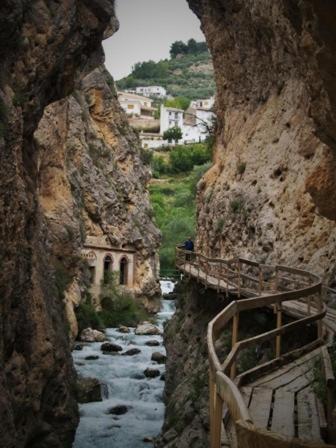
{"x":261,"y":286}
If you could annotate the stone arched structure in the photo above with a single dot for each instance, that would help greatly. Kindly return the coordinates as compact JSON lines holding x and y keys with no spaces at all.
{"x":102,"y":257}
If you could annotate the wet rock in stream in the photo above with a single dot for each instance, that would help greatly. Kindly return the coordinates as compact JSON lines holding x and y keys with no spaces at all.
{"x":151,"y":373}
{"x":110,"y":347}
{"x":152,"y":343}
{"x":120,"y":409}
{"x":158,"y":357}
{"x":132,"y":352}
{"x":88,"y":390}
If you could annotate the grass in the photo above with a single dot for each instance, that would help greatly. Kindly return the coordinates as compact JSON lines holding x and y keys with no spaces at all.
{"x":173,"y":200}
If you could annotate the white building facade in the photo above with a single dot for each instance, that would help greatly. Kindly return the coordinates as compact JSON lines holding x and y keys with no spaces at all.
{"x":170,"y":118}
{"x":152,"y":91}
{"x":205,"y":104}
{"x":136,"y":105}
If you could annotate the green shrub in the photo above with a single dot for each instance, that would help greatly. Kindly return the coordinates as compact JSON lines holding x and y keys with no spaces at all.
{"x":184,"y":157}
{"x":241,"y":167}
{"x":237,"y":205}
{"x":146,"y":156}
{"x":87,"y":316}
{"x":159,"y":166}
{"x":119,"y":307}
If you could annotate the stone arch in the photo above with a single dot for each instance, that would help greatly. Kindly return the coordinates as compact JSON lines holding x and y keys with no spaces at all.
{"x":123,"y":270}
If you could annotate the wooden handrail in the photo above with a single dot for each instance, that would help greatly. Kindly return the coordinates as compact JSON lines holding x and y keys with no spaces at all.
{"x":222,"y":388}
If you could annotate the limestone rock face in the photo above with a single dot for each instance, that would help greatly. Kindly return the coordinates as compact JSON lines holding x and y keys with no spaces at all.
{"x":45,"y":49}
{"x":93,"y":183}
{"x":271,"y":193}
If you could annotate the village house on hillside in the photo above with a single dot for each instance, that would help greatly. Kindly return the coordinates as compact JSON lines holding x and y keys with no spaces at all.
{"x":136,"y":105}
{"x":206,"y":104}
{"x":194,"y":123}
{"x":152,"y":91}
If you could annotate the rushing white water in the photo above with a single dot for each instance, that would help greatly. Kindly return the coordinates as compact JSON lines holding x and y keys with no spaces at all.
{"x":123,"y":384}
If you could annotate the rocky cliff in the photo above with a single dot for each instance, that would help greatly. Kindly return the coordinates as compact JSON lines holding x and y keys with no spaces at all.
{"x":92,"y":183}
{"x":46,"y":49}
{"x":271,"y":192}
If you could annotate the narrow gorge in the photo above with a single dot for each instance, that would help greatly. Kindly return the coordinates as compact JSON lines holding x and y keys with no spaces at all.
{"x":74,"y":184}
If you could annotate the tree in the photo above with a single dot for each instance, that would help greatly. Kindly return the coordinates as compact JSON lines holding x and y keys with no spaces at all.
{"x":192,"y":46}
{"x":179,"y":102}
{"x":171,"y":134}
{"x":178,"y":47}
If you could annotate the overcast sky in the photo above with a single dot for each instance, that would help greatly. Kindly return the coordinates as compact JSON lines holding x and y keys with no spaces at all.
{"x":147,"y":29}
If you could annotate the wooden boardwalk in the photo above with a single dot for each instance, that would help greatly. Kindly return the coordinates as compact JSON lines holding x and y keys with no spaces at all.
{"x":274,"y":404}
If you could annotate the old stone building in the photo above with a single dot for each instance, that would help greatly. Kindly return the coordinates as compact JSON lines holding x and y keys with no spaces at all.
{"x":102,"y":258}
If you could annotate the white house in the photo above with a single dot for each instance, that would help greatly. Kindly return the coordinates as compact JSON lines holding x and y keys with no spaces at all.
{"x":152,"y":140}
{"x":152,"y":91}
{"x":197,"y":123}
{"x":170,"y":117}
{"x":205,"y":104}
{"x":136,"y":105}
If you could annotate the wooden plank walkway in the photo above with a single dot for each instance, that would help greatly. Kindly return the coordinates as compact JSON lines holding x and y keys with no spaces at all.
{"x":284,"y":401}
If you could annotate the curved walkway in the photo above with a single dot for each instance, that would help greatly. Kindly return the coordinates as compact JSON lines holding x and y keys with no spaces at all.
{"x":273,"y":404}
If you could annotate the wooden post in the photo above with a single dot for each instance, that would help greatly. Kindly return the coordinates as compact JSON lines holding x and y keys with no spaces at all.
{"x":278,"y":338}
{"x":276,"y":281}
{"x":320,"y":309}
{"x":217,"y":422}
{"x":239,"y":279}
{"x":235,"y":330}
{"x":198,"y":268}
{"x":261,"y":280}
{"x":309,"y":306}
{"x":212,"y":393}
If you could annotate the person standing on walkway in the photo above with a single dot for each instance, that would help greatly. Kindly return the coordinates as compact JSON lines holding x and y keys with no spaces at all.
{"x":188,"y":246}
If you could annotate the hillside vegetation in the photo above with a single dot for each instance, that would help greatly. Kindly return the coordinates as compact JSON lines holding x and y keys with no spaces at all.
{"x":173,"y":195}
{"x":188,"y":73}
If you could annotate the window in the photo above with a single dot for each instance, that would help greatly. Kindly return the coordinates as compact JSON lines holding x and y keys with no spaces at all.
{"x":123,"y":271}
{"x":108,"y":262}
{"x":92,"y":274}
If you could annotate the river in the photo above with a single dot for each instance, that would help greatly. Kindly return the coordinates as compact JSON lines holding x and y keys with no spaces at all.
{"x":123,"y":383}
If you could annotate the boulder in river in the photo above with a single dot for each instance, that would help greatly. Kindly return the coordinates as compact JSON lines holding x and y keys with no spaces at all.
{"x":151,"y":373}
{"x":123,"y":329}
{"x":109,"y":347}
{"x":120,"y":409}
{"x":88,"y":390}
{"x":158,"y":357}
{"x":146,"y":328}
{"x":132,"y":352}
{"x":78,"y":347}
{"x":92,"y":357}
{"x":91,"y":335}
{"x":169,"y":296}
{"x":152,"y":343}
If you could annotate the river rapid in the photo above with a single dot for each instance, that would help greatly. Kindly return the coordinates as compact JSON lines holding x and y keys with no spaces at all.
{"x":123,"y":383}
